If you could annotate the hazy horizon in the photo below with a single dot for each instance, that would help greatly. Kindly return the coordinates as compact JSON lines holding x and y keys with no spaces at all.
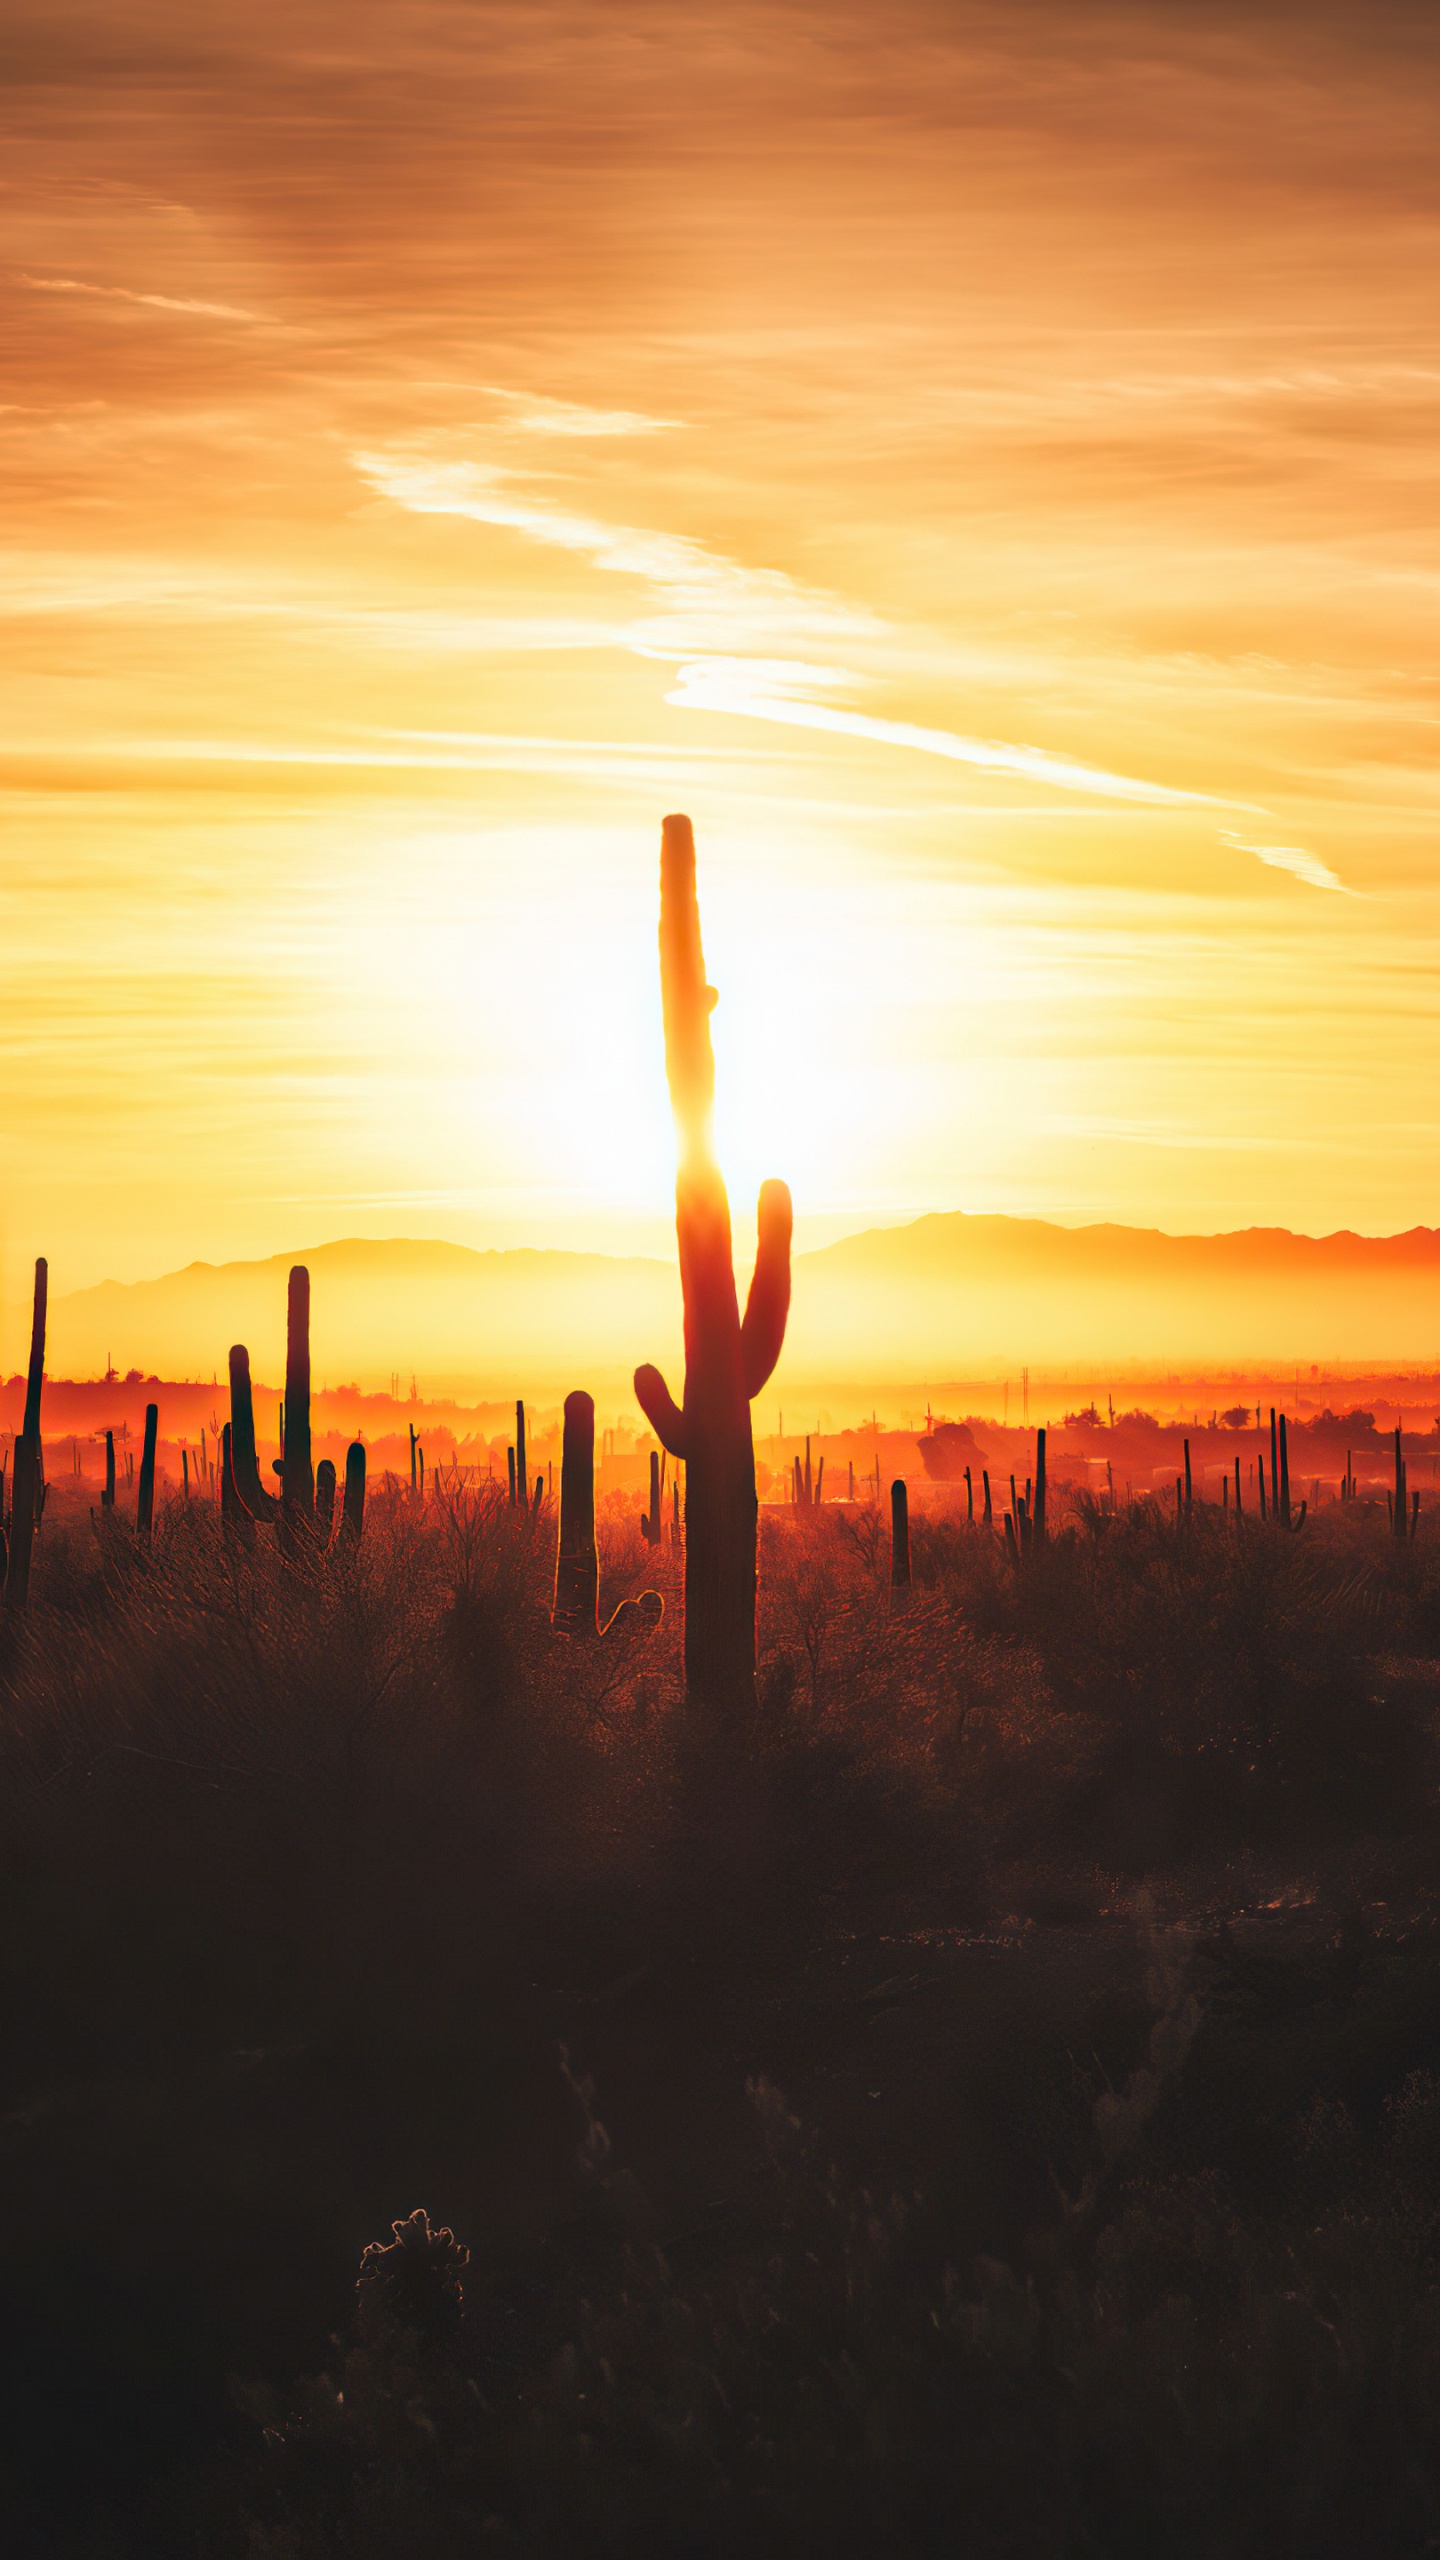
{"x":948,"y":1294}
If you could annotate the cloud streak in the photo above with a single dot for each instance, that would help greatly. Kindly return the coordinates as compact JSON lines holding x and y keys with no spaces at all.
{"x":533,"y":414}
{"x":1293,"y":858}
{"x":123,"y":293}
{"x":716,"y":605}
{"x":759,"y":692}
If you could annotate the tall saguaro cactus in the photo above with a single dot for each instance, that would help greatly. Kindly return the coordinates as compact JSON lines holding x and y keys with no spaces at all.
{"x":297,"y":1476}
{"x":28,"y":1483}
{"x":145,"y":1499}
{"x":727,"y":1360}
{"x":577,"y":1569}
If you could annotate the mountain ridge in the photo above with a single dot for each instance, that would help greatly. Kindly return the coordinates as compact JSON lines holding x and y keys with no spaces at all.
{"x":955,"y":1285}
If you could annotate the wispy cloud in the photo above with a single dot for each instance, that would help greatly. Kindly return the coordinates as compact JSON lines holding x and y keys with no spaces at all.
{"x":1293,"y":858}
{"x":708,"y":601}
{"x":717,"y":606}
{"x":538,"y":416}
{"x":786,"y":693}
{"x":123,"y":293}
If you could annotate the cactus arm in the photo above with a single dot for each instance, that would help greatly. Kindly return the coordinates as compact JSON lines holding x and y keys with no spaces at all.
{"x":253,"y":1496}
{"x":325,"y":1498}
{"x":660,"y":1410}
{"x":762,"y":1333}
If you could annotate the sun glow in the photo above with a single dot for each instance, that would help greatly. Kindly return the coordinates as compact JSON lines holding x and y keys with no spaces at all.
{"x":1038,"y":627}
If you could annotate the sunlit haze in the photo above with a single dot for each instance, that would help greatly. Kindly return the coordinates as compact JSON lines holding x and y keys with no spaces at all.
{"x":979,"y":462}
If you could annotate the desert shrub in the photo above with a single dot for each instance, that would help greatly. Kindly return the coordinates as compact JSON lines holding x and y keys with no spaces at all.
{"x":1166,"y":2368}
{"x":304,"y":1874}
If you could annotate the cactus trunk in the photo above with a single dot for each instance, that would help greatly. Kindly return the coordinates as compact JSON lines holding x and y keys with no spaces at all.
{"x":1038,"y":1516}
{"x":107,"y":1498}
{"x":352,"y":1519}
{"x":1399,"y":1507}
{"x":899,"y":1536}
{"x":145,"y":1499}
{"x":577,"y":1567}
{"x":28,"y":1482}
{"x":521,"y":1477}
{"x":726,"y":1361}
{"x":297,"y":1477}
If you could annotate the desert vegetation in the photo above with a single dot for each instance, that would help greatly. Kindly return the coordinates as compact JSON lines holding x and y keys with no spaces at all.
{"x":987,"y":2088}
{"x":558,"y":2022}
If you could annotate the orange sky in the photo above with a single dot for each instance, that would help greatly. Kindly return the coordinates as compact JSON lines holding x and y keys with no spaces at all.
{"x":980,"y":461}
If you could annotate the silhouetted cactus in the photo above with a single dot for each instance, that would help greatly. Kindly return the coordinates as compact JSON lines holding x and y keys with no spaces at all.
{"x":297,"y":1475}
{"x":1404,"y":1507}
{"x":27,"y":1495}
{"x":1284,"y":1495}
{"x":650,"y":1520}
{"x":1037,"y":1522}
{"x":899,"y":1536}
{"x":726,"y":1361}
{"x":234,"y":1512}
{"x":577,"y":1567}
{"x":107,"y":1498}
{"x":145,"y":1499}
{"x":325,"y":1500}
{"x":244,"y":1461}
{"x":522,"y":1477}
{"x":352,"y":1518}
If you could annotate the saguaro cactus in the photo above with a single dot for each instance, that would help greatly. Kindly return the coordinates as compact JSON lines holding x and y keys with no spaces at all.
{"x":145,"y":1499}
{"x":245,"y":1464}
{"x":352,"y":1520}
{"x":107,"y":1498}
{"x":727,"y":1361}
{"x":899,"y":1536}
{"x":297,"y":1477}
{"x":1038,"y":1515}
{"x":1399,"y":1505}
{"x":577,"y":1567}
{"x":28,"y":1482}
{"x":234,"y":1513}
{"x":650,"y":1520}
{"x":325,"y":1499}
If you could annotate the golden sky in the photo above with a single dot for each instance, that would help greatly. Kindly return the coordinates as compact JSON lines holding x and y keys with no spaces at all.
{"x":979,"y":460}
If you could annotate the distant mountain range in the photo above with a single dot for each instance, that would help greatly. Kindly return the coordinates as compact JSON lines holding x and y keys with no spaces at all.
{"x":948,"y":1296}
